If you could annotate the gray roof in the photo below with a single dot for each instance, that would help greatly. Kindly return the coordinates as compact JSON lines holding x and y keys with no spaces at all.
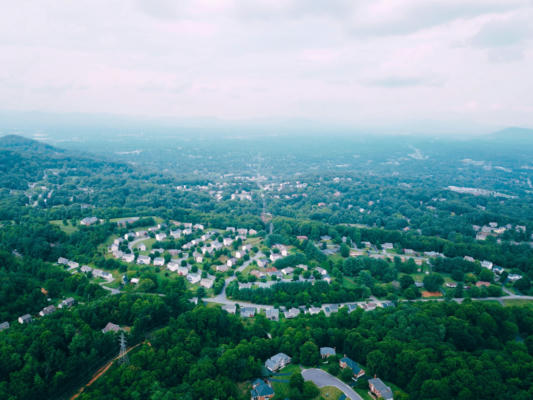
{"x":383,"y":389}
{"x":4,"y":325}
{"x":327,"y":351}
{"x":275,"y":361}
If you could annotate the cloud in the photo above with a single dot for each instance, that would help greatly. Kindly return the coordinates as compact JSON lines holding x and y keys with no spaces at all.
{"x":504,"y":32}
{"x":337,"y":61}
{"x":403,"y":82}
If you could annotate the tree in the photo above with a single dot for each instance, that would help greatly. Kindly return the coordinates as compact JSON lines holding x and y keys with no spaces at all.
{"x":296,"y":381}
{"x":433,"y":282}
{"x":346,"y":374}
{"x":344,"y":250}
{"x":309,"y":354}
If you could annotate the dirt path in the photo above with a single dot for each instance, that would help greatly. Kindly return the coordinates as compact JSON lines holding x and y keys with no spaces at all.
{"x":103,"y":370}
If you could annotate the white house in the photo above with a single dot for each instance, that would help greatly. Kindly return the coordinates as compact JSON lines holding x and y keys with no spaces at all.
{"x":221,"y":268}
{"x":144,"y":260}
{"x":207,"y":283}
{"x":486,"y":264}
{"x":194,"y":278}
{"x":227,"y":241}
{"x":231,"y":262}
{"x":160,"y":236}
{"x":159,"y":261}
{"x":128,"y":258}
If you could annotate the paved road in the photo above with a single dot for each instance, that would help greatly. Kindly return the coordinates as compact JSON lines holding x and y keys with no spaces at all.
{"x":322,"y":378}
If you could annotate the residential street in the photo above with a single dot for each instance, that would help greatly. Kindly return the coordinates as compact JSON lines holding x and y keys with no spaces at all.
{"x":322,"y":378}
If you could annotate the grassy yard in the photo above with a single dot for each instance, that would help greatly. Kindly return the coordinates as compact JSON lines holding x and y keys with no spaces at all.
{"x":364,"y":394}
{"x":68,"y":229}
{"x":518,"y":302}
{"x":282,"y":388}
{"x":330,"y":393}
{"x":348,"y":283}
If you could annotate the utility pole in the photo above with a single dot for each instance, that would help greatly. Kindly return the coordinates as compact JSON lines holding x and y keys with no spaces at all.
{"x":123,"y":355}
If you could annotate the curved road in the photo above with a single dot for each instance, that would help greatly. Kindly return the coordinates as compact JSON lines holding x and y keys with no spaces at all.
{"x":322,"y":378}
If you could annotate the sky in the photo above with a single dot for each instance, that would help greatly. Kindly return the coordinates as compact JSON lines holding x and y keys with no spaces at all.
{"x":421,"y":65}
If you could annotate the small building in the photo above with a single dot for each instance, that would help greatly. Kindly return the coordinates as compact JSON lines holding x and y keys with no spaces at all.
{"x":381,"y":390}
{"x":326,"y":352}
{"x":47,"y":310}
{"x":4,"y":326}
{"x":25,"y":319}
{"x":277,"y":362}
{"x":227,"y":241}
{"x":221,"y":268}
{"x":261,"y":390}
{"x":111,"y":327}
{"x":160,"y":236}
{"x":194,"y":278}
{"x":86,"y":268}
{"x":67,"y":303}
{"x":292,"y":313}
{"x":230,"y":308}
{"x":347,"y":362}
{"x":272,"y":314}
{"x":248,"y":312}
{"x":144,"y":260}
{"x":128,"y":258}
{"x":62,"y":261}
{"x":159,"y":261}
{"x":89,"y":221}
{"x":134,"y":281}
{"x":207,"y":283}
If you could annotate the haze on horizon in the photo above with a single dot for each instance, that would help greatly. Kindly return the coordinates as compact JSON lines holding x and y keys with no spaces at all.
{"x":420,"y":65}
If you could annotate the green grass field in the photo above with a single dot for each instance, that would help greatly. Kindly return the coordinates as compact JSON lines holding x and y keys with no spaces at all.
{"x":330,"y":393}
{"x":68,"y":229}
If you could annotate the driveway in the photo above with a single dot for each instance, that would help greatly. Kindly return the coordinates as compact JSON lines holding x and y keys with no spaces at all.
{"x":322,"y":378}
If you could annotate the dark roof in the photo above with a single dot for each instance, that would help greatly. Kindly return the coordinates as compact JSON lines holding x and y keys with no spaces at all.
{"x":351,"y":364}
{"x":383,"y":389}
{"x":262,"y":390}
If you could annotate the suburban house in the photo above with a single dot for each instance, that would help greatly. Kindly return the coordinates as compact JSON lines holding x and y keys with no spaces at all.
{"x":227,"y":241}
{"x":68,"y":302}
{"x":292,"y":313}
{"x":111,"y":327}
{"x":242,"y":231}
{"x":4,"y":326}
{"x":98,"y":273}
{"x":314,"y":310}
{"x":25,"y":319}
{"x":47,"y":310}
{"x":221,"y":268}
{"x":261,"y":390}
{"x":272,"y":314}
{"x":230,"y":308}
{"x":194,"y":278}
{"x":62,"y":260}
{"x":128,"y":257}
{"x":160,"y":261}
{"x":346,"y":362}
{"x":89,"y":221}
{"x":231,"y":262}
{"x":326,"y":352}
{"x":134,"y":281}
{"x":160,"y":236}
{"x":486,"y":264}
{"x":73,"y":264}
{"x":247,"y":312}
{"x":207,"y":283}
{"x":381,"y":390}
{"x":173,"y":265}
{"x":287,"y":270}
{"x":86,"y":268}
{"x":262,"y":262}
{"x":277,"y":362}
{"x":144,"y":260}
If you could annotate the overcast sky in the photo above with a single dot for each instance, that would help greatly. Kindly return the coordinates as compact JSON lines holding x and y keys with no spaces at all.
{"x":424,"y":64}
